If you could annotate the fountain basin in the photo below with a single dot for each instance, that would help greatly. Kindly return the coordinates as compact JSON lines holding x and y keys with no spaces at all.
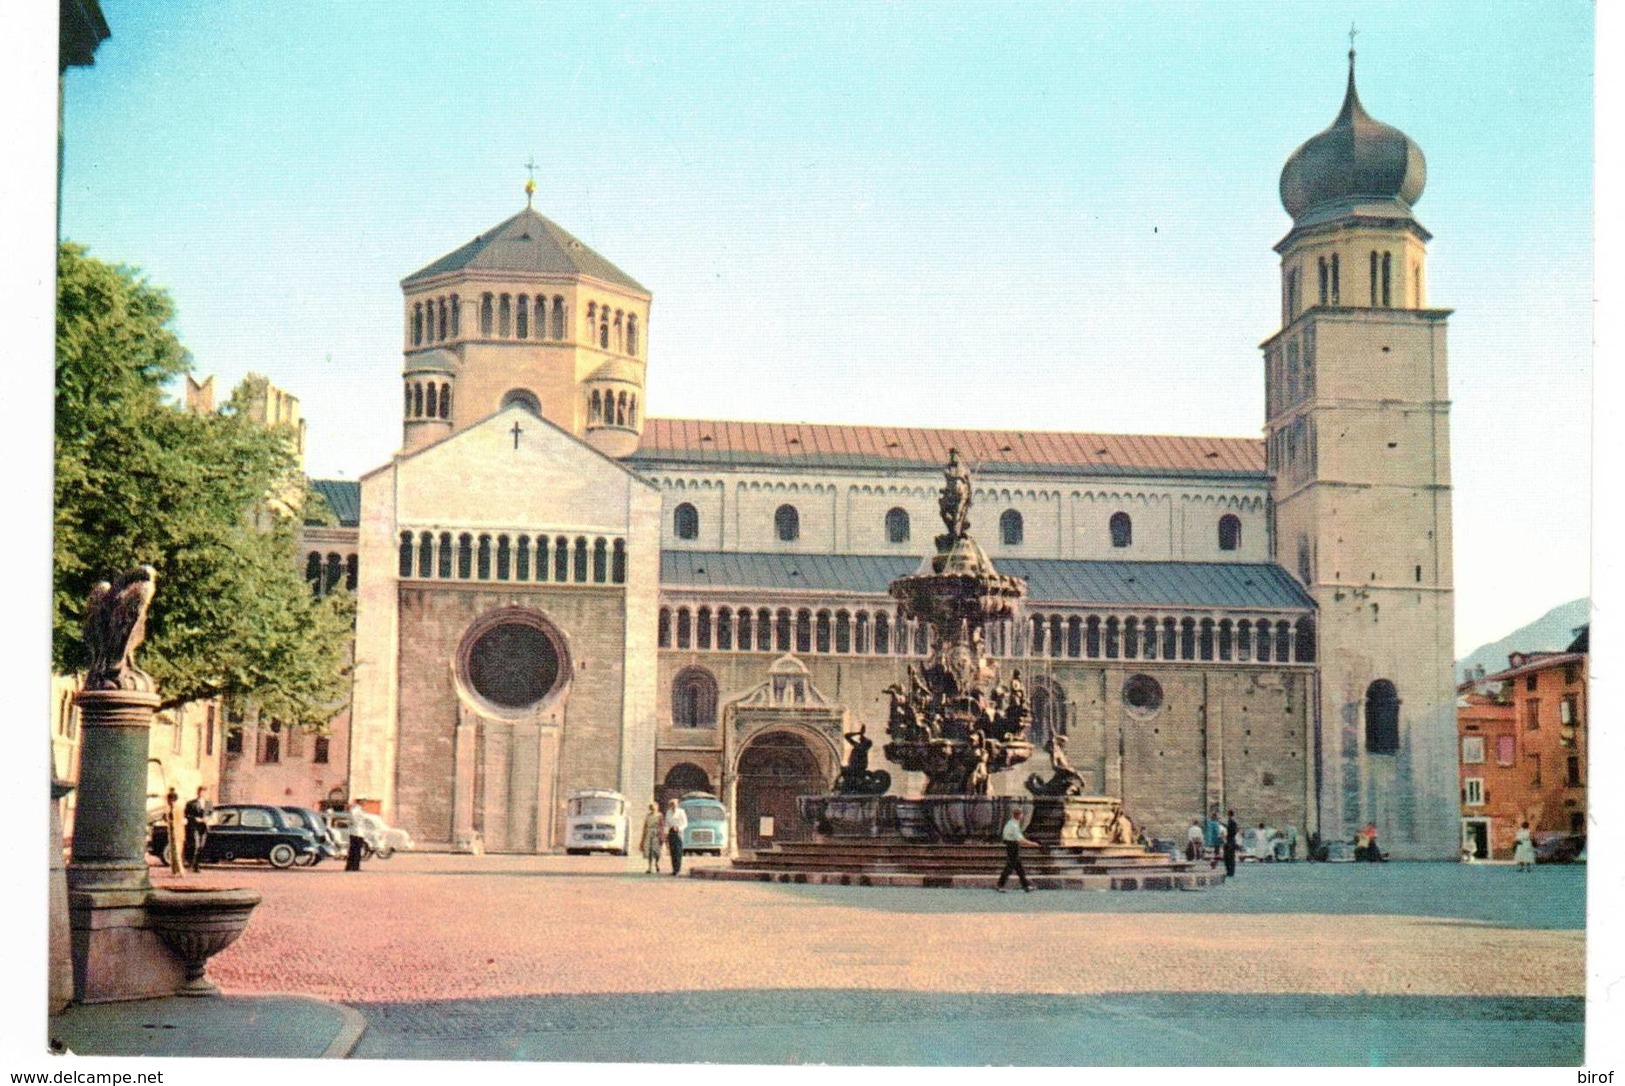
{"x":197,"y":923}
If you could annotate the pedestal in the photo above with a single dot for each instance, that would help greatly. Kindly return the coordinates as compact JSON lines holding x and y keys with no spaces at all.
{"x":60,"y":988}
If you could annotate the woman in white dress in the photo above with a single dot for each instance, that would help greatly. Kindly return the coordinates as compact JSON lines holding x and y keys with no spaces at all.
{"x":1523,"y":849}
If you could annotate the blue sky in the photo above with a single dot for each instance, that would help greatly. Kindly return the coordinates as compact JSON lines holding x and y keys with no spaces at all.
{"x":848,"y":213}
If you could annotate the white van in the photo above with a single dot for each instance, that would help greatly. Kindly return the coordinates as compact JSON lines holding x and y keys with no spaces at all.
{"x":595,"y":821}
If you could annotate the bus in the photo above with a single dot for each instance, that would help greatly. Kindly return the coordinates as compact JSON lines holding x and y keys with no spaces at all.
{"x":595,"y":821}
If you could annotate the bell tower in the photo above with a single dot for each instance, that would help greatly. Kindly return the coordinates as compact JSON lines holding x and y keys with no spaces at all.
{"x":1358,"y":438}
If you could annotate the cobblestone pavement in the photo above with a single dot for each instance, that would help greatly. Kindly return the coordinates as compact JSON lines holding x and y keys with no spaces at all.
{"x":537,"y":957}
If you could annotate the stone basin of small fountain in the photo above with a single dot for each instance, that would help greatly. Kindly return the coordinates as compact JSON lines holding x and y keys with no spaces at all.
{"x":198,"y":922}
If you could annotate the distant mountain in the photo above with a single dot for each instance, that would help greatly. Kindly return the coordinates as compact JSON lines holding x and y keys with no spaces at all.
{"x":1552,"y":632}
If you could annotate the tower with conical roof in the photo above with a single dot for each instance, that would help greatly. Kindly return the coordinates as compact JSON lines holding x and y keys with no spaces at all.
{"x":1357,"y":428}
{"x":525,"y":314}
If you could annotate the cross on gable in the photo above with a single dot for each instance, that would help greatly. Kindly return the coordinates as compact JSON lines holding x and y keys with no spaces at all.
{"x":516,"y":431}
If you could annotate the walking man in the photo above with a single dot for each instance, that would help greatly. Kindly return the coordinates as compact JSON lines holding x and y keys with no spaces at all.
{"x":1194,"y":841}
{"x":358,"y":829}
{"x":1232,"y":838}
{"x":676,"y":823}
{"x":1014,"y":838}
{"x":197,"y":828}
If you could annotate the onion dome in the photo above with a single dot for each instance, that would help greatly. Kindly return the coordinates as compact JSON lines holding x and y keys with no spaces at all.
{"x":1357,"y":164}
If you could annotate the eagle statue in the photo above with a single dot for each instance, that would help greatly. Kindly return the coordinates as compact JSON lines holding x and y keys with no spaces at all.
{"x":115,"y":625}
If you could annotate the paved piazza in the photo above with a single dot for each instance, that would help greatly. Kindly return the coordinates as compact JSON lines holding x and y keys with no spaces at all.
{"x":586,"y":958}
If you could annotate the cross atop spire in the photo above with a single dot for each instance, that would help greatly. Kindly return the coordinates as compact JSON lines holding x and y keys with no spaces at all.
{"x":1352,"y":32}
{"x":530,"y":183}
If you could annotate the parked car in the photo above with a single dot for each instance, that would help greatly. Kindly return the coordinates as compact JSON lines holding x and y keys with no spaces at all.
{"x":317,"y":825}
{"x":595,"y":821}
{"x":378,"y":838}
{"x":1560,"y":848}
{"x":707,"y":823}
{"x":248,"y":831}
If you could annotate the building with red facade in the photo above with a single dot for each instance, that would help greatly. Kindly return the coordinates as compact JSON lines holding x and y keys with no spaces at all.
{"x":1523,"y":739}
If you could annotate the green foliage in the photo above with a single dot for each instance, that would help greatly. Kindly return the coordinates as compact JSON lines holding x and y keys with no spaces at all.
{"x":210,"y":500}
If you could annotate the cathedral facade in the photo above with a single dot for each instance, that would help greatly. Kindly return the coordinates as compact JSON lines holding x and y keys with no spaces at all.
{"x":557,"y":592}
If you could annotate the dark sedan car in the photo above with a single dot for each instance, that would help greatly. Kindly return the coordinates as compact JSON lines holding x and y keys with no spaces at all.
{"x":248,"y":831}
{"x":316,"y":823}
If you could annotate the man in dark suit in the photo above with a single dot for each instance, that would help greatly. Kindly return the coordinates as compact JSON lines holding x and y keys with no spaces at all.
{"x":197,"y":827}
{"x":1232,"y":838}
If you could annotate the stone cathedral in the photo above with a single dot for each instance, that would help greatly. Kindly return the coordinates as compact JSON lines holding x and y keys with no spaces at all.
{"x":557,"y":591}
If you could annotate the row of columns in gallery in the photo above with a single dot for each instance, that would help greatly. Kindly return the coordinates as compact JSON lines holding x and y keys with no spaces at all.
{"x":859,"y":631}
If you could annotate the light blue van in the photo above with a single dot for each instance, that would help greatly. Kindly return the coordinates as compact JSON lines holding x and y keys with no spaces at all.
{"x":707,"y":823}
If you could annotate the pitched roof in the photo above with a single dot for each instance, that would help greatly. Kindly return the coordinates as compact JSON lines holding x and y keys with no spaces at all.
{"x":738,"y":444}
{"x":1245,"y":585}
{"x":343,"y":496}
{"x":530,"y":243}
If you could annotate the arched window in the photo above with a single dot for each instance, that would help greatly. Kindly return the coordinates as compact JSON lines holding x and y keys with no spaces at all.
{"x":434,"y":400}
{"x":504,"y":557}
{"x":482,"y":561}
{"x":592,"y":320}
{"x":1187,"y":639}
{"x":823,"y":631}
{"x":525,"y":398}
{"x":581,"y":560}
{"x":632,"y":334}
{"x":1325,"y":281}
{"x":456,"y":317}
{"x":1011,"y":530}
{"x":685,"y":522}
{"x":725,"y":628}
{"x":617,"y":565}
{"x":1382,"y":718}
{"x":505,"y":316}
{"x":685,"y":628}
{"x":1047,"y":704}
{"x":620,"y":410}
{"x":702,"y":628}
{"x":595,"y":407}
{"x":445,"y":401}
{"x":465,"y":556}
{"x":487,"y":314}
{"x":1229,"y":532}
{"x":521,"y":321}
{"x":803,"y":631}
{"x":882,"y":633}
{"x":1387,"y":279}
{"x":558,"y":317}
{"x":352,"y":571}
{"x":1122,"y":529}
{"x":600,"y":560}
{"x":1374,"y":294}
{"x":561,"y":559}
{"x":603,"y":330}
{"x":426,"y":555}
{"x":1306,"y":640}
{"x":897,"y":526}
{"x":417,"y":324}
{"x":1305,"y":565}
{"x":444,"y":327}
{"x":744,"y":620}
{"x":1336,"y":286}
{"x":407,"y":410}
{"x":406,"y":554}
{"x":417,"y":400}
{"x":521,"y":558}
{"x":787,"y":522}
{"x":632,"y":411}
{"x":781,"y":630}
{"x":313,"y":572}
{"x":663,"y":637}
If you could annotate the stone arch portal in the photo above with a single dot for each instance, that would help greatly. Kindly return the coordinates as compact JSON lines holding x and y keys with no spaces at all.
{"x":774,"y":768}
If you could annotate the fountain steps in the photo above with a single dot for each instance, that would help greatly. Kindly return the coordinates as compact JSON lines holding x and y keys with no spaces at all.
{"x":964,"y":865}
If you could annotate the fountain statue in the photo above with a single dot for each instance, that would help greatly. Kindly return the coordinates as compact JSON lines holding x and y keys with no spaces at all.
{"x":957,"y":721}
{"x":130,"y":940}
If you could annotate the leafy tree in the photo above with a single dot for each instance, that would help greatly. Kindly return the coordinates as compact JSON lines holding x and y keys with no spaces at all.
{"x":212,"y":501}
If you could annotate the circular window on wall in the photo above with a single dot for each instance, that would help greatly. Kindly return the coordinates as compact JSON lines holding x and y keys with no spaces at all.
{"x":514,"y":663}
{"x":1142,"y":695}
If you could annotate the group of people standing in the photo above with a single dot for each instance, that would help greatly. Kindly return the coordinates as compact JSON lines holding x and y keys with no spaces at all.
{"x":664,"y":829}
